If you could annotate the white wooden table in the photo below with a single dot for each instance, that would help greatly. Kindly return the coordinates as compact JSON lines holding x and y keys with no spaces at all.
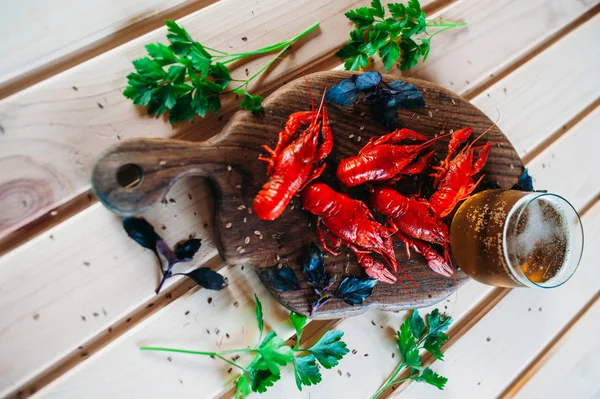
{"x":77,"y":297}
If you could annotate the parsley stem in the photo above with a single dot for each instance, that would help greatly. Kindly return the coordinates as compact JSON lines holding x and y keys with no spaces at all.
{"x":267,"y":49}
{"x":441,"y":30}
{"x":389,"y":381}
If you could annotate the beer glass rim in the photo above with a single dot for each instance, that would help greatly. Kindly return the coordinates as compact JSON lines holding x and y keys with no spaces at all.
{"x":577,"y":252}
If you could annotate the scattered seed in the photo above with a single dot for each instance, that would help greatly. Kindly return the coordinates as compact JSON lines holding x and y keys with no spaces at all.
{"x":244,"y":38}
{"x":362,"y":114}
{"x":348,"y":374}
{"x":339,"y":372}
{"x":250,"y":211}
{"x":247,"y":240}
{"x":257,"y":233}
{"x":53,"y":213}
{"x":239,"y":248}
{"x":245,"y":219}
{"x":217,"y":331}
{"x":372,"y":322}
{"x":86,"y":263}
{"x":393,"y":355}
{"x":278,"y":257}
{"x":238,"y":186}
{"x":128,"y":320}
{"x":83,"y":318}
{"x":229,"y":168}
{"x":430,"y":114}
{"x":170,"y":359}
{"x":209,"y":300}
{"x":229,"y":371}
{"x":227,"y":335}
{"x":362,"y":128}
{"x":228,"y":225}
{"x":208,"y":331}
{"x":359,"y":139}
{"x":96,"y":314}
{"x":511,"y":166}
{"x":162,"y":163}
{"x":241,"y":207}
{"x":453,"y":102}
{"x":187,"y":312}
{"x":36,"y":316}
{"x":351,"y":136}
{"x":242,"y":250}
{"x":354,"y":351}
{"x":236,"y":304}
{"x":366,"y":355}
{"x":488,"y":339}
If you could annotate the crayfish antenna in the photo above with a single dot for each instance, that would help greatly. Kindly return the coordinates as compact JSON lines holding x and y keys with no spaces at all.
{"x":312,"y":99}
{"x":486,"y":131}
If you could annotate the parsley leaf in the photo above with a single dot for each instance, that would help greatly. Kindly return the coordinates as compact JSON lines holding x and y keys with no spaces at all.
{"x":329,"y":349}
{"x":390,"y":36}
{"x":432,"y":378}
{"x":274,"y":352}
{"x":186,"y":79}
{"x":299,"y":322}
{"x":260,"y":380}
{"x":408,"y":346}
{"x":242,"y":387}
{"x":417,"y":325}
{"x":414,"y":335}
{"x":259,"y":315}
{"x":306,"y":371}
{"x":362,"y":17}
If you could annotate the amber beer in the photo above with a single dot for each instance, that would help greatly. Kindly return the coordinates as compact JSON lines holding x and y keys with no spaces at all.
{"x":511,"y":238}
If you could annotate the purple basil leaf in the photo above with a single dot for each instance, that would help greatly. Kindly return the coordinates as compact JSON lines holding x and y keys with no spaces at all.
{"x":185,"y":251}
{"x":367,"y":80}
{"x":313,"y":266}
{"x":525,"y":182}
{"x":141,"y":232}
{"x":406,"y":95}
{"x":354,"y":291}
{"x":207,"y":278}
{"x":344,"y":94}
{"x":282,"y":279}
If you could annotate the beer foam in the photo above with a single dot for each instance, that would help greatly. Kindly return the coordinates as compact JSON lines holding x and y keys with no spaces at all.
{"x":541,"y":231}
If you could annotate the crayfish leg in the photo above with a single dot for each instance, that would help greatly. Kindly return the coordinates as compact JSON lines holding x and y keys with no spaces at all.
{"x":398,"y":136}
{"x":336,"y":240}
{"x":481,"y":160}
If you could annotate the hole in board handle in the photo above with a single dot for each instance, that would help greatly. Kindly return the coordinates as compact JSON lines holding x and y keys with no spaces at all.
{"x":130,"y":175}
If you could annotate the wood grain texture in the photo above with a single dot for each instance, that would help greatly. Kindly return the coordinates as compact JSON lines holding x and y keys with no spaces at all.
{"x":55,"y":40}
{"x":229,"y":160}
{"x":33,"y":115}
{"x":52,"y":118}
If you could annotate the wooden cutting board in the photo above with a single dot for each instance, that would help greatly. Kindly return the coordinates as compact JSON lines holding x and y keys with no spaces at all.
{"x":229,"y":161}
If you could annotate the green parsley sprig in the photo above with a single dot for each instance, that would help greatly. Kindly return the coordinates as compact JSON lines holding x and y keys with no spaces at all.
{"x":413,"y":336}
{"x":391,"y":37}
{"x":186,"y":78}
{"x":271,"y":354}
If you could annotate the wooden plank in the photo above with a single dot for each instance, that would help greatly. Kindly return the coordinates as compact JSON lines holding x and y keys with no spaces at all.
{"x":141,"y":265}
{"x":573,"y":368}
{"x":191,"y":322}
{"x":52,"y":117}
{"x":511,"y":335}
{"x":43,"y":277}
{"x":95,"y":218}
{"x":369,"y":371}
{"x":53,"y":35}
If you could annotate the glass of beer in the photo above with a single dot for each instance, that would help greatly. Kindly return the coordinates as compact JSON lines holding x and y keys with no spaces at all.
{"x":510,"y":238}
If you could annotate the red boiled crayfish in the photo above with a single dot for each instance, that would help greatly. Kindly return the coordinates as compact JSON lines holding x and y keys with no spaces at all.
{"x":383,"y":158}
{"x":350,"y":222}
{"x":417,"y":225}
{"x":295,"y":161}
{"x":454,"y":177}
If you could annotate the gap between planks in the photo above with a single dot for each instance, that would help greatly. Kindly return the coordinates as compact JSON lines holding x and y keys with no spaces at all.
{"x":541,"y":47}
{"x":126,"y":328}
{"x":77,"y":204}
{"x":546,"y":353}
{"x":121,"y":36}
{"x":120,"y":327}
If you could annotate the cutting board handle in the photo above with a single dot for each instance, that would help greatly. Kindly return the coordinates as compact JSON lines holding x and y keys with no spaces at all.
{"x":134,"y":175}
